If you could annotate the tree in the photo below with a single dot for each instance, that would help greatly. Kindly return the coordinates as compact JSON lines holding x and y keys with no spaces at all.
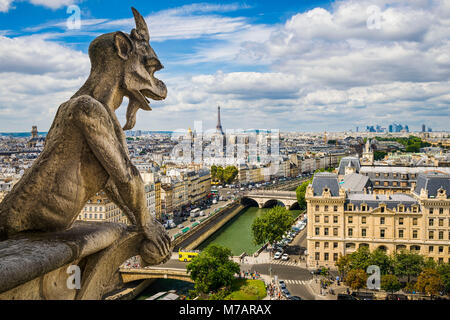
{"x":429,"y":282}
{"x":229,"y":174}
{"x":408,"y":264}
{"x":390,"y":283}
{"x":343,"y":264}
{"x":444,"y":270}
{"x":219,"y":174}
{"x":213,"y":172}
{"x":300,"y":191}
{"x":360,"y":259}
{"x":379,"y":258}
{"x":212,"y":269}
{"x":272,"y":225}
{"x":379,"y":155}
{"x":356,"y":279}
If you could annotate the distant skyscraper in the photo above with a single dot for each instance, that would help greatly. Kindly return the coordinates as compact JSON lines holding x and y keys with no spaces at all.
{"x":391,"y":128}
{"x":423,"y":128}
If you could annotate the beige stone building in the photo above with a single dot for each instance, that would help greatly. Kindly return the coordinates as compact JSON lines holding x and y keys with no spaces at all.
{"x":341,"y":221}
{"x":100,"y":208}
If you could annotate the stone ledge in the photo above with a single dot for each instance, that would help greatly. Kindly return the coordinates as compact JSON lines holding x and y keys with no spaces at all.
{"x":31,"y":255}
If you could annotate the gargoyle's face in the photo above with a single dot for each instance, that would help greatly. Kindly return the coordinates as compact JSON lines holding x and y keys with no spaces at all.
{"x":140,"y":64}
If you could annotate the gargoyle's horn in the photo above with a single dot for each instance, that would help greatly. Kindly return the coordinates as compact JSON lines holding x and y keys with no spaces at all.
{"x":141,"y":25}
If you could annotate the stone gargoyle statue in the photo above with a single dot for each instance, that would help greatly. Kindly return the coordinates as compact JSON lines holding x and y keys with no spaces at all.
{"x":86,"y":151}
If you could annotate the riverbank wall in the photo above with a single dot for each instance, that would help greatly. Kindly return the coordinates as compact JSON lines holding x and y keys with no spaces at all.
{"x":210,"y":226}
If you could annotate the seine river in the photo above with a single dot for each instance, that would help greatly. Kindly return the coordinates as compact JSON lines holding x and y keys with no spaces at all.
{"x":235,"y":234}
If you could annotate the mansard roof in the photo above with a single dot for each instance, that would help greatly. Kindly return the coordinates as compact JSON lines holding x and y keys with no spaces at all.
{"x":325,"y":180}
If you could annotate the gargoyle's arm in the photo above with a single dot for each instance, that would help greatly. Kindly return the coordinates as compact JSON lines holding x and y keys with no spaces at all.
{"x":125,"y":186}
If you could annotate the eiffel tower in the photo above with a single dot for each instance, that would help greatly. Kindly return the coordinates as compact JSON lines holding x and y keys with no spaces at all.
{"x":219,"y":125}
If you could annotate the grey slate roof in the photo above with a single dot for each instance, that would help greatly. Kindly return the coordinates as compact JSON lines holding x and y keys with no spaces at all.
{"x":325,"y":180}
{"x":348,"y":161}
{"x":355,"y":182}
{"x":432,"y":182}
{"x":374,"y":200}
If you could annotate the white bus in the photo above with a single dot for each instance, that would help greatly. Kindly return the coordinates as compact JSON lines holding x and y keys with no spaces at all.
{"x":194,"y":213}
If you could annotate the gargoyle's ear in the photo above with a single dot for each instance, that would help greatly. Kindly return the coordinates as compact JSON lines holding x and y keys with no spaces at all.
{"x":123,"y":45}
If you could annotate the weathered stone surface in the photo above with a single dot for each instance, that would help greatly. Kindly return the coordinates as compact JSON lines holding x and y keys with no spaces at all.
{"x":85,"y":152}
{"x":26,"y":257}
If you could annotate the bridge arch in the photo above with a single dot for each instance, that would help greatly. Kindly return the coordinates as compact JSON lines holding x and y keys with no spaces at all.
{"x":273,"y":203}
{"x":249,"y":202}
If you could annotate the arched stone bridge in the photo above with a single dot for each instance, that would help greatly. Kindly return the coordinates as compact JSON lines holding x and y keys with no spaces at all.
{"x":133,"y":274}
{"x":266,"y":198}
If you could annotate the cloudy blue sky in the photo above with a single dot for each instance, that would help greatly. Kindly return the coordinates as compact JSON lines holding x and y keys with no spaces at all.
{"x":292,"y":65}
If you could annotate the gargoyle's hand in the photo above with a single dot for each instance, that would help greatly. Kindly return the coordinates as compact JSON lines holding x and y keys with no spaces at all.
{"x":156,"y":248}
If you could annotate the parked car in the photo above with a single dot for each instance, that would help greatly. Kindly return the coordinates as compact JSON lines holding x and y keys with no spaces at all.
{"x":344,"y":296}
{"x":277,"y":255}
{"x":282,"y":284}
{"x":363,"y":295}
{"x":285,"y":257}
{"x":393,"y":296}
{"x":285,"y":291}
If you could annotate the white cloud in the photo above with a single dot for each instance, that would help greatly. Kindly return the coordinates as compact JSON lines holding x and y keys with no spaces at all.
{"x":5,"y":5}
{"x":321,"y":68}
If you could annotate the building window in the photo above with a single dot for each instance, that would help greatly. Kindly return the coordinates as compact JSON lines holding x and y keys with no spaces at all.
{"x":363,"y":207}
{"x":325,"y":208}
{"x":382,"y":209}
{"x":414,"y":221}
{"x":316,"y":218}
{"x":335,"y":232}
{"x":350,"y":207}
{"x":430,"y":248}
{"x":317,"y":255}
{"x":335,"y":245}
{"x":414,"y":234}
{"x":335,"y":219}
{"x":317,"y":245}
{"x":363,"y":220}
{"x":350,"y":232}
{"x":430,"y":211}
{"x":350,"y":219}
{"x":335,"y":208}
{"x":441,"y":222}
{"x":325,"y":257}
{"x":441,"y":235}
{"x":326,"y":245}
{"x":325,"y":231}
{"x":363,"y":232}
{"x":317,"y":208}
{"x":441,"y":249}
{"x":400,"y":221}
{"x":430,"y":222}
{"x":317,"y":231}
{"x":335,"y":256}
{"x":441,"y":210}
{"x":382,"y":220}
{"x":325,"y":219}
{"x":431,"y":235}
{"x":382,"y":232}
{"x":400,"y":233}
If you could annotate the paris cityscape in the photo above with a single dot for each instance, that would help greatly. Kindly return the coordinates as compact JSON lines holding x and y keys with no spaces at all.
{"x":225,"y":151}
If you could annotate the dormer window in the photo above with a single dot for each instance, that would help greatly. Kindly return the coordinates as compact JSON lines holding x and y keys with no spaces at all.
{"x":350,"y":207}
